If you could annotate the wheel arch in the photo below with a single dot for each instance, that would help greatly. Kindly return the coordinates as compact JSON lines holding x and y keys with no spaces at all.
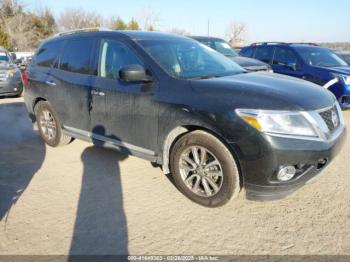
{"x":36,"y":101}
{"x":175,"y":134}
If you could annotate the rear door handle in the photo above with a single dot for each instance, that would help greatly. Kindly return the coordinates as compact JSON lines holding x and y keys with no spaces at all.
{"x":51,"y":83}
{"x":97,"y":93}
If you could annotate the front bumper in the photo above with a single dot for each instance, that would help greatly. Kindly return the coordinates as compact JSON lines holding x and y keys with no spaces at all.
{"x":263,"y":156}
{"x":12,"y":86}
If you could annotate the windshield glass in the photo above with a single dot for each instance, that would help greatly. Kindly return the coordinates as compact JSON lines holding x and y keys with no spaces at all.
{"x":225,"y":49}
{"x":4,"y":57}
{"x":317,"y":56}
{"x":189,"y":59}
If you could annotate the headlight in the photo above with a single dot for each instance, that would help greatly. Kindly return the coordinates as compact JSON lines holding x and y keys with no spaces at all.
{"x":344,"y":78}
{"x":11,"y":72}
{"x":278,"y":122}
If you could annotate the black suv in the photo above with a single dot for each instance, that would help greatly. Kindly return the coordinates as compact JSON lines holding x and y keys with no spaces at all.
{"x":178,"y":104}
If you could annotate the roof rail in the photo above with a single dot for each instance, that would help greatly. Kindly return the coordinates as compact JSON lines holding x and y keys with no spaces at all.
{"x":90,"y":29}
{"x":305,"y":43}
{"x":270,"y":43}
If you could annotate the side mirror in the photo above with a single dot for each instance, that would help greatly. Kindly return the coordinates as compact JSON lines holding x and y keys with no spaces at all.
{"x":13,"y":56}
{"x":292,"y":66}
{"x":134,"y":73}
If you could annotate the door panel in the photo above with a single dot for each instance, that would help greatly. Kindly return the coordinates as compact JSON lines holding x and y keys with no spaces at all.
{"x":71,"y":98}
{"x":122,"y":111}
{"x":283,"y":58}
{"x":71,"y":82}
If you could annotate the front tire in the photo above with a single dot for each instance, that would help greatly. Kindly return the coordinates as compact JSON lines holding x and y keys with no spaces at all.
{"x":204,"y":170}
{"x":49,"y":125}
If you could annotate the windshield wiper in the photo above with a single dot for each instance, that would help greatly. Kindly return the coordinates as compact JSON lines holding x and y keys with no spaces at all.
{"x":203,"y":77}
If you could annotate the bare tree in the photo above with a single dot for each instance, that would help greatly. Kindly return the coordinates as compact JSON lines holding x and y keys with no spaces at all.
{"x":236,"y":33}
{"x":149,"y":19}
{"x":178,"y":31}
{"x":78,"y":18}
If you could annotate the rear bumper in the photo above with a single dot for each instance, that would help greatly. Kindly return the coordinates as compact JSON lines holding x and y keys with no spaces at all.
{"x":260,"y":171}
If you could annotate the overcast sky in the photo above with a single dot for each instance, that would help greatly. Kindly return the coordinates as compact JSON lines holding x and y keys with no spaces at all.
{"x":266,"y":20}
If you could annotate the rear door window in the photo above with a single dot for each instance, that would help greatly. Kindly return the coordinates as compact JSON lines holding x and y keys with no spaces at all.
{"x":76,"y":56}
{"x":113,"y":56}
{"x":264,"y":53}
{"x":284,"y":56}
{"x":47,"y":54}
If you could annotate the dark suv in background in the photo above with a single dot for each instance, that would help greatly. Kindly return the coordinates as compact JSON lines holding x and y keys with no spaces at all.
{"x":10,"y":75}
{"x":306,"y":61}
{"x":221,"y":46}
{"x":179,"y":104}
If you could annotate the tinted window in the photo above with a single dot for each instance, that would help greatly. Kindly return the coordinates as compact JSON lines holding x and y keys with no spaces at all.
{"x":4,"y":57}
{"x":190,"y":59}
{"x":317,"y":56}
{"x":114,"y":56}
{"x":284,"y":56}
{"x":47,"y":54}
{"x":225,"y":49}
{"x":76,"y":56}
{"x":264,"y":53}
{"x":207,"y":43}
{"x":247,"y":52}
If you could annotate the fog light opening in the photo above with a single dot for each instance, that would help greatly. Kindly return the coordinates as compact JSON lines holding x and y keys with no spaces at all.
{"x":286,"y":173}
{"x":321,"y":163}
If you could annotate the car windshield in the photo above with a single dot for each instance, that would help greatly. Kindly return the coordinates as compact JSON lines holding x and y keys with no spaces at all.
{"x":187,"y":59}
{"x":224,"y":48}
{"x":345,"y":57}
{"x":317,"y":56}
{"x":4,"y":58}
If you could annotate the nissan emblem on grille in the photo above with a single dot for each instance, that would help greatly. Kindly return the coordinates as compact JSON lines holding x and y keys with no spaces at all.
{"x":331,"y":118}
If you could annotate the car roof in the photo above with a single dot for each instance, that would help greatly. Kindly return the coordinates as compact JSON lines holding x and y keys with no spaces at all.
{"x":206,"y":38}
{"x":273,"y":44}
{"x":133,"y":35}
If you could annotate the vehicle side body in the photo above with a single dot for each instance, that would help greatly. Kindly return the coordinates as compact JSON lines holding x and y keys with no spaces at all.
{"x":296,"y":66}
{"x":146,"y":119}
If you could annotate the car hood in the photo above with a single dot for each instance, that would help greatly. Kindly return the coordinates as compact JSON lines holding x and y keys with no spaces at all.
{"x":247,"y":62}
{"x":339,"y":70}
{"x":264,"y":91}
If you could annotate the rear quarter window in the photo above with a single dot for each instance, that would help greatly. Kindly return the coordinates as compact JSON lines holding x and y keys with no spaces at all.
{"x":47,"y":53}
{"x":76,"y":56}
{"x":247,"y":51}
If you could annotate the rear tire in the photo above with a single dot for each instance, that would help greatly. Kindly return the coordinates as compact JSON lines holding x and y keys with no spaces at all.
{"x":204,"y":170}
{"x":49,"y":125}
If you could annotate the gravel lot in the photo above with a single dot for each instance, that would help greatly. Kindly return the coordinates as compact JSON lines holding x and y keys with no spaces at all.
{"x":80,"y":199}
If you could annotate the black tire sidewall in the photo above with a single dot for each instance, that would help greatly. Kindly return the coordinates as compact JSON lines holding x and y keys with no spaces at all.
{"x":46,"y":106}
{"x":230,"y":184}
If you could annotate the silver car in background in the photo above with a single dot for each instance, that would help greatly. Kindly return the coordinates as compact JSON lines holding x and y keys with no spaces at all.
{"x":10,"y":76}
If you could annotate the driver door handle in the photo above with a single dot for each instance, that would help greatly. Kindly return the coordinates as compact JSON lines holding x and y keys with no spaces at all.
{"x":97,"y":93}
{"x":51,"y":83}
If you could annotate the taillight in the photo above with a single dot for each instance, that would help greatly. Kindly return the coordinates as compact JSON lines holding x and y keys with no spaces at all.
{"x":25,"y":78}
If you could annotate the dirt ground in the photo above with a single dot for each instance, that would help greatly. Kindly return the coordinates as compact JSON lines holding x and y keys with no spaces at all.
{"x":80,"y":199}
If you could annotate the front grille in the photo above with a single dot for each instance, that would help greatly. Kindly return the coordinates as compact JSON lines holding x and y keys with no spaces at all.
{"x":331,"y":118}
